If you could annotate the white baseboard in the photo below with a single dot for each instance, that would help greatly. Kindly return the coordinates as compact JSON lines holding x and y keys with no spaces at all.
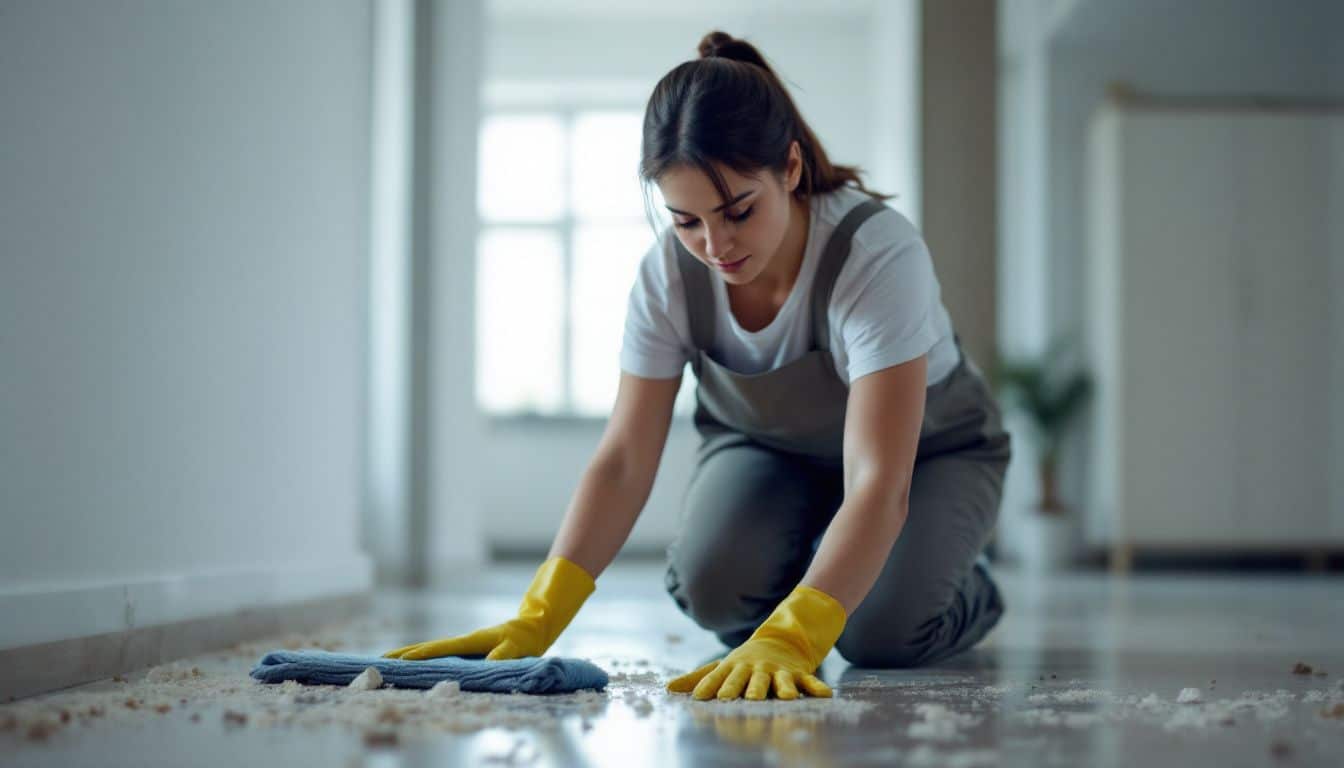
{"x":53,"y":612}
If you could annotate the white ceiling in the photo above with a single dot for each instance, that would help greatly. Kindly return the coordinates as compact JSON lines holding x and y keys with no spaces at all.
{"x":656,"y":9}
{"x":1109,"y":21}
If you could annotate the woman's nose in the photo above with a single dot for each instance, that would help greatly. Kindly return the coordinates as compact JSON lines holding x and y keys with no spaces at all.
{"x":718,"y":243}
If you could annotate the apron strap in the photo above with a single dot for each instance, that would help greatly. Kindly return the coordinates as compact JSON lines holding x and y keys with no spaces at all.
{"x":699,"y":297}
{"x":832,"y":261}
{"x":695,"y":278}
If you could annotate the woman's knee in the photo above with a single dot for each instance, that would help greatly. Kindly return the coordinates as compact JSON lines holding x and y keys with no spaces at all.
{"x":922,"y":633}
{"x":720,"y":590}
{"x":888,"y":645}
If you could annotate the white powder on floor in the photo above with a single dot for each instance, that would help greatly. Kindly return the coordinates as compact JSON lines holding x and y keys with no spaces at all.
{"x":390,"y":716}
{"x":1150,"y":703}
{"x":636,"y":678}
{"x":386,"y":716}
{"x":170,"y":672}
{"x":1324,"y":696}
{"x":1072,"y":696}
{"x":1257,"y":705}
{"x":445,"y":689}
{"x":938,"y":723}
{"x":1053,"y":717}
{"x":1189,"y":696}
{"x":925,"y":755}
{"x":959,"y":689}
{"x":368,"y":680}
{"x":1189,"y":711}
{"x":836,"y":709}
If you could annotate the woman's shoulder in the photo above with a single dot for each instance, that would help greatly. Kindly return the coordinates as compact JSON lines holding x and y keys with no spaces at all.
{"x":887,"y":230}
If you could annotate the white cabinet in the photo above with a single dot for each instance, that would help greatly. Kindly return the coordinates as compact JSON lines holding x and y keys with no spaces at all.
{"x":1213,"y":259}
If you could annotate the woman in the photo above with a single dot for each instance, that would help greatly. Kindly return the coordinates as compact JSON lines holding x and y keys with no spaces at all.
{"x":852,"y":457}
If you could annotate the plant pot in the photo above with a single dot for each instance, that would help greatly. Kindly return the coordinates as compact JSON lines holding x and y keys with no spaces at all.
{"x":1049,"y":540}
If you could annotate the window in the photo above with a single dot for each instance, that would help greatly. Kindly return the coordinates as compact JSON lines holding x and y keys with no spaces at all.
{"x":563,"y":230}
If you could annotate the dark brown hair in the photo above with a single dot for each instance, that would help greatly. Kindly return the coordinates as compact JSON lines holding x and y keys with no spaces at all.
{"x":729,"y":107}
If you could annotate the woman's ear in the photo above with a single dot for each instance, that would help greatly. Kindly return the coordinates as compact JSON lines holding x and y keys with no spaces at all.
{"x":793,"y":169}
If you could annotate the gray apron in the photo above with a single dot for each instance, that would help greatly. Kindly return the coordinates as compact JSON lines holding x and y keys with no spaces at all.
{"x":790,"y":421}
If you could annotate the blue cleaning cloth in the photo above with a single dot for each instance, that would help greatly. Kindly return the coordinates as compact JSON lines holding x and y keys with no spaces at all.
{"x":531,"y":675}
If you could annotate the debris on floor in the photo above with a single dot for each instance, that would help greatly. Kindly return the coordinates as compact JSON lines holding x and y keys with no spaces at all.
{"x":937,"y":722}
{"x":838,"y":709}
{"x":368,"y":680}
{"x":942,"y":711}
{"x":1189,"y":696}
{"x":445,"y":689}
{"x":383,"y":716}
{"x":925,"y":755}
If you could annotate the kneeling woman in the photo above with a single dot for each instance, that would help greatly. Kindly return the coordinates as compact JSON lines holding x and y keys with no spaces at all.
{"x":852,"y":456}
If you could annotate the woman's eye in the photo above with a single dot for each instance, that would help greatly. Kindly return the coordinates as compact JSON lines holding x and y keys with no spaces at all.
{"x":743,"y":216}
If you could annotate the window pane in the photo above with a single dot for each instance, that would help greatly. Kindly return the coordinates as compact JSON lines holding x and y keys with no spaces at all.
{"x":604,"y":159}
{"x":519,"y":328}
{"x":521,"y":174}
{"x":606,"y":258}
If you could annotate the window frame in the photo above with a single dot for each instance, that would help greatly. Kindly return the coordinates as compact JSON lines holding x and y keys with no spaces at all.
{"x":567,"y":111}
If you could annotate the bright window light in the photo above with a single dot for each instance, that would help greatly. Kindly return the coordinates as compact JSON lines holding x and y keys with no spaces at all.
{"x":604,"y":156}
{"x":606,"y":258}
{"x":521,"y":174}
{"x":563,"y":229}
{"x":519,"y":328}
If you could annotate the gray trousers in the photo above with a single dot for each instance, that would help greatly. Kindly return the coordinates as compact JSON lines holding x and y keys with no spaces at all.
{"x":753,"y":516}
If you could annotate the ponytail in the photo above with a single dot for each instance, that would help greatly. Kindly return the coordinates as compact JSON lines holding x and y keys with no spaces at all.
{"x":730,"y":107}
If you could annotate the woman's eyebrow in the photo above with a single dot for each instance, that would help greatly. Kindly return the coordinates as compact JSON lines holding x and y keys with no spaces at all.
{"x":737,"y":199}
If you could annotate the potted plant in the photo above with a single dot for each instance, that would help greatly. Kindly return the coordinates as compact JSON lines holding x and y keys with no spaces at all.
{"x":1051,"y":396}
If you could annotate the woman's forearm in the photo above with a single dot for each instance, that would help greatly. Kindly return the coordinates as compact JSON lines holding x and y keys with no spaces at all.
{"x":857,"y":543}
{"x":606,"y":504}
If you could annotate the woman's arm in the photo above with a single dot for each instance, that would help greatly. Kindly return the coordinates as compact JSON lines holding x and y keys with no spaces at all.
{"x":620,"y":476}
{"x":882,"y":422}
{"x":884,"y":413}
{"x":610,"y":495}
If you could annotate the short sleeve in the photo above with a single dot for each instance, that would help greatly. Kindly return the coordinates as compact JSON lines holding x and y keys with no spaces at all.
{"x":653,"y":345}
{"x":891,"y":318}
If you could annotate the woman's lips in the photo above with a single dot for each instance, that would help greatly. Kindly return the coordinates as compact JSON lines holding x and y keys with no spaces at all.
{"x":732,"y":266}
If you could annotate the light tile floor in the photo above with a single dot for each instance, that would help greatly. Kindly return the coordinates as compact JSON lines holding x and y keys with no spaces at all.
{"x":1084,"y":670}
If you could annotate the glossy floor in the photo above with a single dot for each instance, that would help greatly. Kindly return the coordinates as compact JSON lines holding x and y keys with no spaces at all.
{"x":1084,"y":670}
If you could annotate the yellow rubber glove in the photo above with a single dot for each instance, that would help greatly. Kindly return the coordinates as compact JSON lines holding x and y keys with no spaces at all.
{"x":781,"y":654}
{"x":557,"y":592}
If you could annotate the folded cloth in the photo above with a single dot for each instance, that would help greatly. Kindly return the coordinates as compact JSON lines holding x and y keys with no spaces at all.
{"x":530,"y":675}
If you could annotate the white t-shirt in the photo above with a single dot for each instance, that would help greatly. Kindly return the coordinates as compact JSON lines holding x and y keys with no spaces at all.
{"x":886,"y":308}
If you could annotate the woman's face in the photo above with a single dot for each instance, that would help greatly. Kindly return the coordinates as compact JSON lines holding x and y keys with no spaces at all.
{"x":738,"y":240}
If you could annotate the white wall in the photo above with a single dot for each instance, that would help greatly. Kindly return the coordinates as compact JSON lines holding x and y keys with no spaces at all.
{"x":1336,"y":460}
{"x":1195,"y":47}
{"x":388,"y":530}
{"x":449,"y":480}
{"x":528,"y":472}
{"x":1337,"y":306}
{"x":1069,"y":52}
{"x":1023,"y":158}
{"x":183,"y":229}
